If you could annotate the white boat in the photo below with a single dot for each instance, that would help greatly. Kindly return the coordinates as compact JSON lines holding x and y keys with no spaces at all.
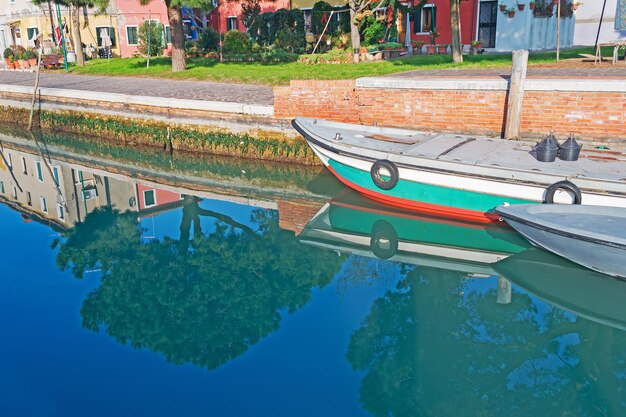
{"x":592,"y":236}
{"x":459,"y":176}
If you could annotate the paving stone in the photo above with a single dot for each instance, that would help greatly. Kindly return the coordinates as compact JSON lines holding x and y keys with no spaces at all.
{"x":190,"y":90}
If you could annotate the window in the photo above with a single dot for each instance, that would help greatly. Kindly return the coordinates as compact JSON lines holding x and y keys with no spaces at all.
{"x":15,"y":192}
{"x":44,"y":204}
{"x":149,"y":198}
{"x":61,"y":212}
{"x":131,"y":35}
{"x":32,"y":33}
{"x":29,"y":198}
{"x":231,"y":23}
{"x":307,"y":20}
{"x":168,"y":34}
{"x":1,"y":187}
{"x":24,"y":166}
{"x":55,"y":174}
{"x":39,"y":171}
{"x":424,"y":19}
{"x":111,"y":35}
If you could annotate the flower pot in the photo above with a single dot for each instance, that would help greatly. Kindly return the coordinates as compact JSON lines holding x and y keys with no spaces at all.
{"x":431,"y":49}
{"x":33,"y":62}
{"x":511,"y":14}
{"x":503,"y":7}
{"x":442,"y":50}
{"x":521,"y":6}
{"x":23,"y":63}
{"x":532,"y":6}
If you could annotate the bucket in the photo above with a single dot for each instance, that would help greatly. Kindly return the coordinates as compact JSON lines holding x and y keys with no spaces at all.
{"x":547,"y":149}
{"x":570,"y":149}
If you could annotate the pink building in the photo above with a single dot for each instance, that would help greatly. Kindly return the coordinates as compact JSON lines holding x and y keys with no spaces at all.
{"x":150,"y":197}
{"x":228,"y":15}
{"x":130,"y":15}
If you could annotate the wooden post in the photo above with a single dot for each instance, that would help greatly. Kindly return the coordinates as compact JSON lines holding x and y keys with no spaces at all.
{"x":516,"y":94}
{"x":504,"y":291}
{"x":558,"y":30}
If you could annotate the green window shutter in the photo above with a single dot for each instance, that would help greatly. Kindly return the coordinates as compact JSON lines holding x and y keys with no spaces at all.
{"x":417,"y":20}
{"x":112,"y":36}
{"x":434,"y":18}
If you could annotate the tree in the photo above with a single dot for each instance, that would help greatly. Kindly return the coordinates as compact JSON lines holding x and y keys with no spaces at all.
{"x":204,"y":299}
{"x":457,"y":55}
{"x":175,"y":16}
{"x":156,"y":38}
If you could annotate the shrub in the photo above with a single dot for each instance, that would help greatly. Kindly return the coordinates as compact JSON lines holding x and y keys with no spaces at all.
{"x":236,"y":42}
{"x":30,"y":54}
{"x":209,"y":40}
{"x":290,"y":41}
{"x":156,"y":38}
{"x":374,"y":33}
{"x":8,"y":53}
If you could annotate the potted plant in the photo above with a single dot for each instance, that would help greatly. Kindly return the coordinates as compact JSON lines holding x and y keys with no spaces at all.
{"x":443,"y":49}
{"x":22,"y":61}
{"x":31,"y":56}
{"x":418,"y":46}
{"x":502,"y":7}
{"x":475,"y":47}
{"x":432,"y":40}
{"x":521,"y":6}
{"x":510,"y":12}
{"x":8,"y":56}
{"x":531,"y":5}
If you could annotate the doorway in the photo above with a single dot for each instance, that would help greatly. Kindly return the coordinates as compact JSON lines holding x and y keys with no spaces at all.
{"x":487,"y":18}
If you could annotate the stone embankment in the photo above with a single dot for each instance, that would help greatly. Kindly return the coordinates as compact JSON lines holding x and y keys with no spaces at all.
{"x":254,"y":121}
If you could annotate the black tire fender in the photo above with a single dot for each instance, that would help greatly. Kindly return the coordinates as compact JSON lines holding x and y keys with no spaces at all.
{"x":563,"y":185}
{"x":384,"y":242}
{"x":377,"y":177}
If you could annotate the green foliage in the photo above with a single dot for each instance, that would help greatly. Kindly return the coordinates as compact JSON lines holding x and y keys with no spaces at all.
{"x":8,"y":53}
{"x":236,"y":42}
{"x":30,"y":54}
{"x":203,"y":300}
{"x":290,"y":40}
{"x":209,"y":40}
{"x":334,"y":56}
{"x":374,"y":33}
{"x":156,"y":38}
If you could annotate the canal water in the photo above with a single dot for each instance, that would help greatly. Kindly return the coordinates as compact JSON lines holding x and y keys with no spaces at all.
{"x":140,"y":283}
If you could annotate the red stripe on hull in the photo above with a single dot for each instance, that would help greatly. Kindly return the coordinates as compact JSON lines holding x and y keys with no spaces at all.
{"x":426,"y":208}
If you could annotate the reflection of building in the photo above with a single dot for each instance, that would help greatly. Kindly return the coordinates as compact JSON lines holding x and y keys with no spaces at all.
{"x":29,"y":182}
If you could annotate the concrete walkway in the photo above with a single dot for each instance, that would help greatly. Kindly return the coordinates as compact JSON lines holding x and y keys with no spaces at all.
{"x":147,"y":87}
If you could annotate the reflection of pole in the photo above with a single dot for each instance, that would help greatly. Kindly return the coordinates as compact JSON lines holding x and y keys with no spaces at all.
{"x":32,"y":107}
{"x":558,"y":30}
{"x":61,"y":29}
{"x":149,"y":30}
{"x":219,"y":30}
{"x":504,"y":291}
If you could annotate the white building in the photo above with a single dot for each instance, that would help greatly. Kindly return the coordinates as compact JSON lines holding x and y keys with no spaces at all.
{"x":588,"y":20}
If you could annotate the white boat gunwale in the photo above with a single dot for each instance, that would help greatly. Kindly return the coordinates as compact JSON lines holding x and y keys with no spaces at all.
{"x":587,"y":185}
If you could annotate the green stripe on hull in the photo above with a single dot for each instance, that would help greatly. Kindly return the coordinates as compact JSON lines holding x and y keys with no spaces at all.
{"x":487,"y":238}
{"x":427,"y":193}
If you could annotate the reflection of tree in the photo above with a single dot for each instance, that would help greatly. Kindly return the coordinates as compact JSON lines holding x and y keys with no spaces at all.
{"x":434,"y":347}
{"x":204,"y":301}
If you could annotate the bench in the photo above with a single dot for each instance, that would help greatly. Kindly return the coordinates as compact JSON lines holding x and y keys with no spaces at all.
{"x":51,"y":61}
{"x":616,"y":47}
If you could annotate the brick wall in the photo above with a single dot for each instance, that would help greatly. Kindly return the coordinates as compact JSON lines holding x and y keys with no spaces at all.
{"x":597,"y":116}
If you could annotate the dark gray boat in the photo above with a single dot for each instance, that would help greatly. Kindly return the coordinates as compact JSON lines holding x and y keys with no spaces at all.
{"x":592,"y":236}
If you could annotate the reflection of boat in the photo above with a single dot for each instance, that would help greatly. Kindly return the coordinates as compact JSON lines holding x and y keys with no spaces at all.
{"x":569,"y":286}
{"x":351,"y":223}
{"x":591,"y":236}
{"x":452,"y":175}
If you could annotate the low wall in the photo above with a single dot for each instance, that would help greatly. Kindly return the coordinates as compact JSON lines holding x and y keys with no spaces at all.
{"x":595,"y":110}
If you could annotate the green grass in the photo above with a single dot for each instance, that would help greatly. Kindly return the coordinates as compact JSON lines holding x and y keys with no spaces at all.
{"x":282,"y":73}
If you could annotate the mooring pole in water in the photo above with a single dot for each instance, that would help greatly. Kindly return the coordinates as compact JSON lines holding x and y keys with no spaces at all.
{"x":504,"y":291}
{"x":516,"y":94}
{"x":32,"y":104}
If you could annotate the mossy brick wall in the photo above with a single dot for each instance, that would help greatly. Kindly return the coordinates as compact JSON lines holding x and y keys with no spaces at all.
{"x":598,"y":117}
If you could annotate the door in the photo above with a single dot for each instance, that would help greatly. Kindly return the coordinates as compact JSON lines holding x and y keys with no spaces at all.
{"x":487,"y":18}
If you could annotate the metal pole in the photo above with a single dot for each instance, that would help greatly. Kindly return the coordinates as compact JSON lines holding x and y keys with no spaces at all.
{"x":149,"y":30}
{"x":599,"y":26}
{"x":558,"y":30}
{"x":62,"y":37}
{"x":219,"y":31}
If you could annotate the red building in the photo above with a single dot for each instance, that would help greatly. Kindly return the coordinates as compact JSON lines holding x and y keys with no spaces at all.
{"x":227,"y":16}
{"x":436,"y":14}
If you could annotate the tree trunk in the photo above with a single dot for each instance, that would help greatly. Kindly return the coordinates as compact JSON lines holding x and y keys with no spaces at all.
{"x":78,"y":41}
{"x":354,"y":32}
{"x":52,"y":33}
{"x":178,"y":38}
{"x":457,"y":56}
